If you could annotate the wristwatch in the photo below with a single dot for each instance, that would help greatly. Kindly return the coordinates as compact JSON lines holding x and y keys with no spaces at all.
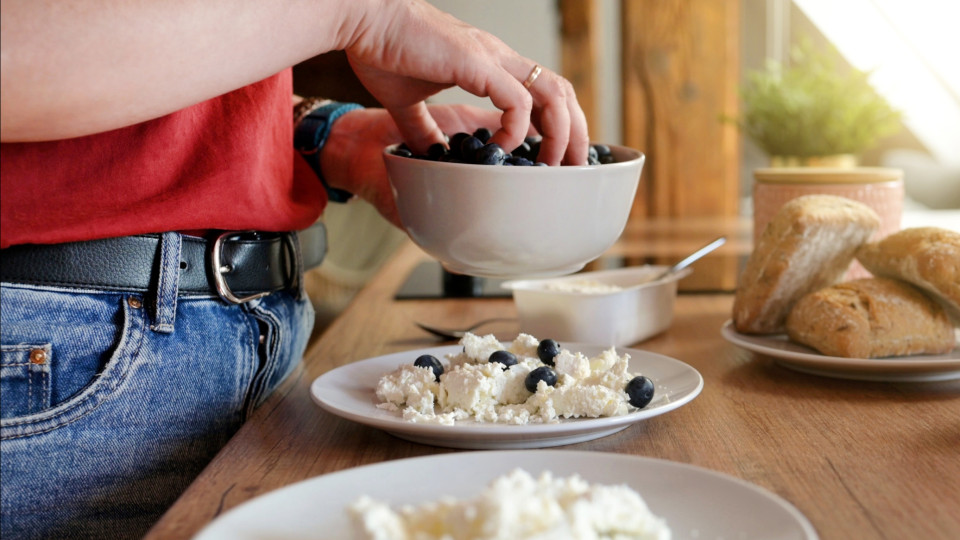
{"x":313,"y":119}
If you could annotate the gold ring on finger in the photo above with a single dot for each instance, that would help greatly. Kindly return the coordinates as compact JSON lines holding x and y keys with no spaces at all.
{"x":534,"y":73}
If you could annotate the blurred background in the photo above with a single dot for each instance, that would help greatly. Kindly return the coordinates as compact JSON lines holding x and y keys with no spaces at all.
{"x":672,"y":78}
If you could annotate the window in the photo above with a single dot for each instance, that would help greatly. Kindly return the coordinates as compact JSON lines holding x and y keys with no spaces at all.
{"x":911,"y":49}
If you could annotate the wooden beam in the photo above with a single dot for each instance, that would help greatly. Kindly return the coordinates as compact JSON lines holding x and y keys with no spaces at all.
{"x":680,"y":69}
{"x":579,"y":55}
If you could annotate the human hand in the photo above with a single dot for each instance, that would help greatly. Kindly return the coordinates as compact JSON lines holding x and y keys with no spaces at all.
{"x":411,"y":50}
{"x":352,"y":157}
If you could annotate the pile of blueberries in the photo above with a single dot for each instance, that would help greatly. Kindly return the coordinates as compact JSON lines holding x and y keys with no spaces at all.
{"x":476,"y":149}
{"x":639,"y":389}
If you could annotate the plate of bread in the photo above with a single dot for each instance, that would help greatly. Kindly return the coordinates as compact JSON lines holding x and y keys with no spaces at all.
{"x":794,"y":303}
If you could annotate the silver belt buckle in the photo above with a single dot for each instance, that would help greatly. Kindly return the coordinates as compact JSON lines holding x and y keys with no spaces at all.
{"x":219,"y":269}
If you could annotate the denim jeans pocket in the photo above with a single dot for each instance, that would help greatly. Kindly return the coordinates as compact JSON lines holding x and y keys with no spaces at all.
{"x":24,"y":379}
{"x":60,"y":366}
{"x":134,"y":414}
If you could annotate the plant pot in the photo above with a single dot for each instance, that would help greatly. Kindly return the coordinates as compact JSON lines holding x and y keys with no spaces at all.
{"x":880,"y":188}
{"x":836,"y":161}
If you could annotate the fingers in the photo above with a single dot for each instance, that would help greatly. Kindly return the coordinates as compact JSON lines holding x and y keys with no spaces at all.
{"x":557,"y":115}
{"x":402,"y":69}
{"x":579,"y":143}
{"x":554,"y":119}
{"x":550,"y":102}
{"x":464,"y":118}
{"x":417,"y":127}
{"x":507,"y":94}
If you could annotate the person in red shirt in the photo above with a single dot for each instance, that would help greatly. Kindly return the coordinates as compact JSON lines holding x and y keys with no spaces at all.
{"x":155,"y":220}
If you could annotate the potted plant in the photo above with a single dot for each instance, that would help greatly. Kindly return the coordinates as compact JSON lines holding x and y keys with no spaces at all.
{"x":811,"y":111}
{"x":814,"y":119}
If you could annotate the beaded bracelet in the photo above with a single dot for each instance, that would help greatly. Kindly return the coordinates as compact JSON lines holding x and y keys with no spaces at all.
{"x":314,"y":119}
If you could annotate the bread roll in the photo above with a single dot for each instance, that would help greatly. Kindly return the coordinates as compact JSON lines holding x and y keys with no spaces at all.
{"x":928,"y":257}
{"x":870,"y":318}
{"x":807,"y":245}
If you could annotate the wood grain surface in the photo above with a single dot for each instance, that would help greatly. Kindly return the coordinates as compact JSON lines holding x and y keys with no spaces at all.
{"x":680,"y":63}
{"x":865,"y":460}
{"x":580,"y":33}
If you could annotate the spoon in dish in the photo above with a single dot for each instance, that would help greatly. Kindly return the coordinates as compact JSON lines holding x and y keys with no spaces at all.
{"x":690,"y":259}
{"x":450,"y":333}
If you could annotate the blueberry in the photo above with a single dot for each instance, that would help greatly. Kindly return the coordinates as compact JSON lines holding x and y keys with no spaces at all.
{"x":490,"y":154}
{"x":428,"y":361}
{"x":518,"y":161}
{"x":522,"y":151}
{"x":436,"y":151}
{"x":542,"y":373}
{"x":506,"y":358}
{"x":469,"y":147}
{"x":534,"y":143}
{"x":640,"y":391}
{"x":604,"y":155}
{"x":402,"y":152}
{"x":593,"y":155}
{"x":483,"y":134}
{"x":547,"y":350}
{"x":455,"y":142}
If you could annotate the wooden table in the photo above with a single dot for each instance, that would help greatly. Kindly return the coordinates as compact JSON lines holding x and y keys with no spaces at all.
{"x":860,"y":459}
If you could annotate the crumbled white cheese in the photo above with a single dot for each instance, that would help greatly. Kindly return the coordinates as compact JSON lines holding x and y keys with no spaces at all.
{"x":473,"y":388}
{"x":575,"y":365}
{"x":413,"y":387}
{"x":517,"y":506}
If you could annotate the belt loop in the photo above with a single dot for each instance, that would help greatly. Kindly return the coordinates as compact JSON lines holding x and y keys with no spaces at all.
{"x":168,"y":283}
{"x":297,"y":263}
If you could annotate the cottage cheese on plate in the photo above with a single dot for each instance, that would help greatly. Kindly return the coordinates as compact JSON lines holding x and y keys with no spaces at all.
{"x":517,"y":506}
{"x":471,"y":387}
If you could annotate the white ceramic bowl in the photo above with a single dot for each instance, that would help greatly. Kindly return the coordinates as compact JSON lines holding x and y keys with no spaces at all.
{"x":510,"y":222}
{"x":639,"y":310}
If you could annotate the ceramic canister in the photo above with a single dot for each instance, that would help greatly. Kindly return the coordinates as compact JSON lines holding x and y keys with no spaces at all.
{"x":880,"y":188}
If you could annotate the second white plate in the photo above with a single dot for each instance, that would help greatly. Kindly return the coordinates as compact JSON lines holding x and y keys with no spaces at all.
{"x":696,"y":503}
{"x":349,"y":392}
{"x":917,"y":368}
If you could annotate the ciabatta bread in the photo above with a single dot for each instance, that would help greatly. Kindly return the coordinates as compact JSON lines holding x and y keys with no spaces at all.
{"x":928,"y":257}
{"x":871,"y":318}
{"x":807,"y":245}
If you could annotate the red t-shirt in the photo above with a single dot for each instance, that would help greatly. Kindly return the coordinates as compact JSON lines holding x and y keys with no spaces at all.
{"x":226,"y":163}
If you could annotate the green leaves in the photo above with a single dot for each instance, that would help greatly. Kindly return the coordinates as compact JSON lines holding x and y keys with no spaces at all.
{"x":813,"y":108}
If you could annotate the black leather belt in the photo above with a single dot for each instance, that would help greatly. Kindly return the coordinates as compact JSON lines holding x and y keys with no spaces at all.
{"x":237,"y":266}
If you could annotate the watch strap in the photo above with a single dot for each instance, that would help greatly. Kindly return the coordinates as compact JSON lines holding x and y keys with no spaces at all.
{"x":310,"y":135}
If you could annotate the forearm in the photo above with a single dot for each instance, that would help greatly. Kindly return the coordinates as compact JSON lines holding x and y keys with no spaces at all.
{"x":75,"y":68}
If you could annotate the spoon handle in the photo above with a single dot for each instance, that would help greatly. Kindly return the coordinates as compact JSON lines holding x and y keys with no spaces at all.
{"x":690,"y":259}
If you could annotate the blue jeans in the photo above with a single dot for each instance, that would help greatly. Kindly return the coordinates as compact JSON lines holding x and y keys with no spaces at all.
{"x":113,"y":402}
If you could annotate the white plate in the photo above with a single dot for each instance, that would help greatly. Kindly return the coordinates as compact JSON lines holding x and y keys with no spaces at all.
{"x":349,"y":391}
{"x":917,"y":368}
{"x":695,"y":502}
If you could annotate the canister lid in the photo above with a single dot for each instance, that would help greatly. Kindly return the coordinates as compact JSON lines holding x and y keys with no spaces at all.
{"x":823,"y":175}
